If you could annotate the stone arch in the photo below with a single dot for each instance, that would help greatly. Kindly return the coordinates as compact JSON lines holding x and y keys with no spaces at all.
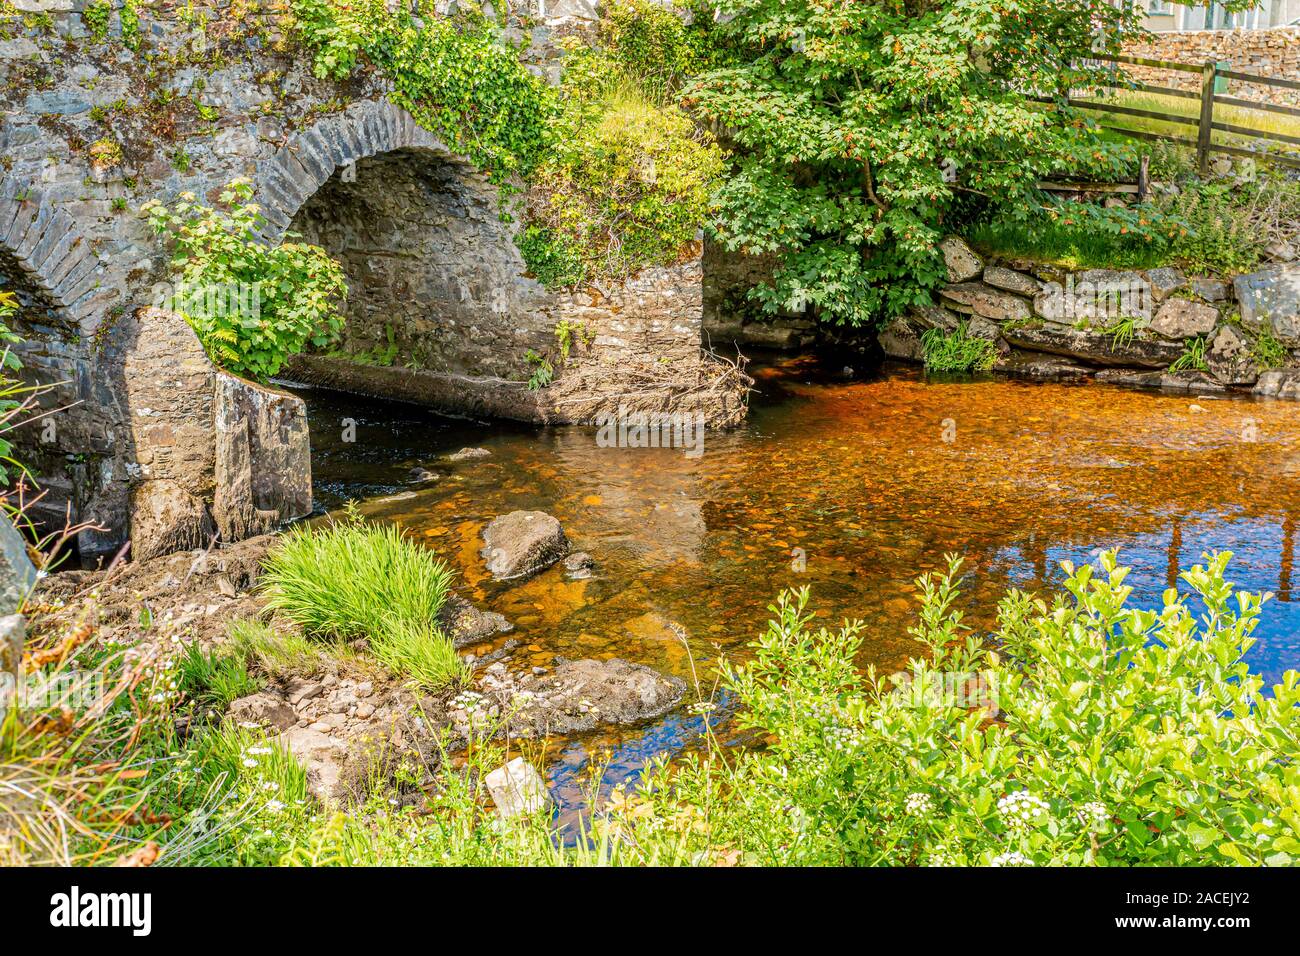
{"x":312,"y":156}
{"x":50,"y":253}
{"x":433,"y":271}
{"x":59,"y":279}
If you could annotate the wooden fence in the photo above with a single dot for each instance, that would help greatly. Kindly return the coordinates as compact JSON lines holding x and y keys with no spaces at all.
{"x":1211,"y":73}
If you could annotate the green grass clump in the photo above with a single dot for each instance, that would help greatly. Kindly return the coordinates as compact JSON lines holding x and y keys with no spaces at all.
{"x":956,"y":351}
{"x":355,"y":580}
{"x":214,"y":678}
{"x":1076,"y":246}
{"x":277,"y":653}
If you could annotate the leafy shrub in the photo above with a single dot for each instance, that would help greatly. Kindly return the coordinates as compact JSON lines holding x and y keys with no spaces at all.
{"x":354,"y":580}
{"x":251,"y":305}
{"x":630,"y":188}
{"x":957,"y":351}
{"x":96,"y":16}
{"x":1219,"y":237}
{"x":653,"y":46}
{"x":1124,"y":737}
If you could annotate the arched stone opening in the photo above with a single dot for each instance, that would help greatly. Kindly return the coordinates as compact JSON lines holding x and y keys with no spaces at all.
{"x":57,"y":441}
{"x":435,"y":280}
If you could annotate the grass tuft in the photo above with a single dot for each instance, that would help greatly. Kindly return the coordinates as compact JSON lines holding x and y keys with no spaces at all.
{"x":355,"y":580}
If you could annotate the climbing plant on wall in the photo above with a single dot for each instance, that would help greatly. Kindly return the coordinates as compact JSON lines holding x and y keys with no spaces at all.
{"x":453,"y":75}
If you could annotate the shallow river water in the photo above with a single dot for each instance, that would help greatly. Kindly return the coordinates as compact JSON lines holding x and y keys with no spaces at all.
{"x":852,"y":486}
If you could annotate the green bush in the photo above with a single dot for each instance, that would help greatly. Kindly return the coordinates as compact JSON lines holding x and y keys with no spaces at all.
{"x":631,"y":187}
{"x":251,"y":305}
{"x":354,"y":580}
{"x":1219,"y":237}
{"x":1083,"y":732}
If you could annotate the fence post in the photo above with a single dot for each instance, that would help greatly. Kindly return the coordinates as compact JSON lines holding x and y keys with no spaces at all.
{"x":1205,"y":127}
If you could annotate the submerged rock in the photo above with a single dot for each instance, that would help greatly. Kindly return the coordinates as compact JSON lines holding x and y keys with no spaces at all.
{"x":579,"y":565}
{"x":522,"y":543}
{"x":466,"y":624}
{"x":469,"y":454}
{"x":1041,"y":368}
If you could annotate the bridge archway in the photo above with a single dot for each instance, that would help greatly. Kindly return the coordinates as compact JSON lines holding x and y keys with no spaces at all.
{"x":436,"y":282}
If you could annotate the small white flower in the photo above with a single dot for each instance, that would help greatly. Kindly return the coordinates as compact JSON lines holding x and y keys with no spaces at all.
{"x":274,"y":806}
{"x":919,"y":804}
{"x":259,"y":751}
{"x":250,"y":762}
{"x":157,"y":698}
{"x":1094,"y":816}
{"x":1010,"y":859}
{"x":1021,"y":810}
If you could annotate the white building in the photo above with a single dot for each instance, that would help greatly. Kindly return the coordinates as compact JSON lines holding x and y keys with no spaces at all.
{"x":1164,"y":16}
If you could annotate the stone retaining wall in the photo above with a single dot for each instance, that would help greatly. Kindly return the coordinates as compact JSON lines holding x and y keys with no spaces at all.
{"x":1158,"y":327}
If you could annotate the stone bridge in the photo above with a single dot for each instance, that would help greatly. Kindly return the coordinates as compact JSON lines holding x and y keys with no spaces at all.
{"x":147,"y":438}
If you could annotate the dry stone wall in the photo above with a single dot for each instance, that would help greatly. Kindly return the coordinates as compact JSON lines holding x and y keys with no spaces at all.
{"x":1152,"y":328}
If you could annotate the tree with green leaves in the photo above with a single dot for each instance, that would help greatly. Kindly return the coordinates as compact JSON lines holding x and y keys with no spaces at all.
{"x":866,"y":129}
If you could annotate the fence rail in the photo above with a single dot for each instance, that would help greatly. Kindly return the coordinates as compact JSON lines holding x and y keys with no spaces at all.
{"x":1211,"y":73}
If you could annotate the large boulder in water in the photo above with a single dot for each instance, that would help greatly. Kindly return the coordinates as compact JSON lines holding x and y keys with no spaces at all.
{"x":522,"y":543}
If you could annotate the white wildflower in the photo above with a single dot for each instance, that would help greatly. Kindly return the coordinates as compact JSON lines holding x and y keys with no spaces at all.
{"x":1094,"y":816}
{"x":1021,"y":810}
{"x":1011,"y":859}
{"x":919,"y":804}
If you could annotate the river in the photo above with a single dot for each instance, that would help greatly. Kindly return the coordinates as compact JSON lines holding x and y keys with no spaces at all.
{"x":851,"y":484}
